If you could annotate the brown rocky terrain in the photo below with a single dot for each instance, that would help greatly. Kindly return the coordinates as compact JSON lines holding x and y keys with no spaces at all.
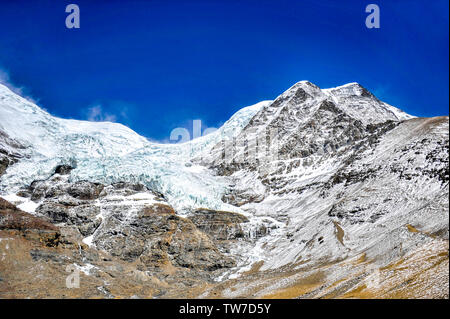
{"x":142,"y":249}
{"x":35,"y":253}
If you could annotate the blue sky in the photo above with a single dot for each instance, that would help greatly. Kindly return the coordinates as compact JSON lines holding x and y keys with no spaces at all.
{"x":157,"y":65}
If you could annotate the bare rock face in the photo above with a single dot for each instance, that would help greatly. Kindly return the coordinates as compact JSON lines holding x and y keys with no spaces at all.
{"x":37,"y":254}
{"x":31,"y":227}
{"x":128,"y":221}
{"x":157,"y":237}
{"x":10,"y":151}
{"x":85,"y":190}
{"x":220,"y":225}
{"x":140,"y":244}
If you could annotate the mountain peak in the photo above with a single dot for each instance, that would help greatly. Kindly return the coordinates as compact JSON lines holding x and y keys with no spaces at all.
{"x":361,"y":104}
{"x":305,"y":85}
{"x":349,"y":89}
{"x":299,"y":91}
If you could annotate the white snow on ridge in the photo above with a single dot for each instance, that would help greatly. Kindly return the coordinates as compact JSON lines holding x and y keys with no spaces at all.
{"x":358,"y":103}
{"x":111,"y":152}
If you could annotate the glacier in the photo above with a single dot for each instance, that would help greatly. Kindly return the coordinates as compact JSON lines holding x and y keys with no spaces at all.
{"x":106,"y":152}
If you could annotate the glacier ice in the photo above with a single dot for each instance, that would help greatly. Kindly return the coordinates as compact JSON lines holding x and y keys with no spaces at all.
{"x":107,"y":152}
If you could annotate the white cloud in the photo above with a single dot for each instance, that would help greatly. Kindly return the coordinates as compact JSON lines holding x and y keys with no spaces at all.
{"x":109,"y":111}
{"x":4,"y":77}
{"x":97,"y":114}
{"x":6,"y":80}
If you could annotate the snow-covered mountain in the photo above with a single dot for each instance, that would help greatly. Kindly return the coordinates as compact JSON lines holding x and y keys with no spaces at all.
{"x":309,"y":195}
{"x":108,"y":152}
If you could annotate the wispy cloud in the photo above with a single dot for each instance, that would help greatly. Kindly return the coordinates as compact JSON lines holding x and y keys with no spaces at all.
{"x":20,"y":90}
{"x":109,"y":111}
{"x":97,"y":114}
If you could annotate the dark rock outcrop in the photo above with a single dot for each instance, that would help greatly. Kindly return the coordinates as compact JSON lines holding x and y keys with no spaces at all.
{"x":220,"y":225}
{"x":158,"y":237}
{"x":10,"y":151}
{"x":29,"y":226}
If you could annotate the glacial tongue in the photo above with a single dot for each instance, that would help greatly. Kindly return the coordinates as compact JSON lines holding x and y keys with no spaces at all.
{"x":109,"y":153}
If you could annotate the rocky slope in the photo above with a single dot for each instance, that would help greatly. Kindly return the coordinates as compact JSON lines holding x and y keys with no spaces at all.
{"x":321,"y":193}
